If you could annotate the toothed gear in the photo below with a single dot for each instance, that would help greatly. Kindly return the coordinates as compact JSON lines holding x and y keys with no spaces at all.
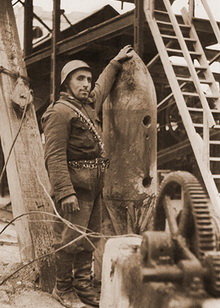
{"x":194,"y":221}
{"x":212,"y":261}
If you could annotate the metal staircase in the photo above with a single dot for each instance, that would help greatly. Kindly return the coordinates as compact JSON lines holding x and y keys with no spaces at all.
{"x":193,"y":87}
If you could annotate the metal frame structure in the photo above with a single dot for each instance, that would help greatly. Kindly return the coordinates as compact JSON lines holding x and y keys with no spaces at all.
{"x":100,"y":36}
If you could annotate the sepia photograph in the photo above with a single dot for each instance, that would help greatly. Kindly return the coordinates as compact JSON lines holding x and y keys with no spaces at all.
{"x":110,"y":153}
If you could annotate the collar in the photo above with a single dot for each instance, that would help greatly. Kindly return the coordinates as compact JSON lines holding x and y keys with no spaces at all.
{"x":74,"y":101}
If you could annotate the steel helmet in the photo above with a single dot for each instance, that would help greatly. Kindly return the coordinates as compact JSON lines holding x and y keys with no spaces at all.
{"x":70,"y":67}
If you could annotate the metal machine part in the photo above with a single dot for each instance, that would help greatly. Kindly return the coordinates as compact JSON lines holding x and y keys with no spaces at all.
{"x":183,"y":207}
{"x":184,"y":247}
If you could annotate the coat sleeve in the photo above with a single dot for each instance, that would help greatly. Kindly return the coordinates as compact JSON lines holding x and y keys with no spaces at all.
{"x":104,"y":84}
{"x":56,"y":128}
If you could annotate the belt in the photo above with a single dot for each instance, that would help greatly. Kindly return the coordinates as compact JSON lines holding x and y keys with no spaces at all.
{"x":90,"y":164}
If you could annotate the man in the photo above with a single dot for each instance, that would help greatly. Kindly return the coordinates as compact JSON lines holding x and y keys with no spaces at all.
{"x":75,"y":162}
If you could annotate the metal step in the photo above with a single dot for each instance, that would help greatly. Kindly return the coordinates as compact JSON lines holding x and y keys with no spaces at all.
{"x":167,"y":23}
{"x":197,"y":67}
{"x":179,"y":51}
{"x":198,"y":125}
{"x":161,"y":12}
{"x":196,"y":94}
{"x":171,"y":37}
{"x":216,"y":176}
{"x":217,"y":142}
{"x":203,"y":81}
{"x":214,"y":159}
{"x":194,"y":109}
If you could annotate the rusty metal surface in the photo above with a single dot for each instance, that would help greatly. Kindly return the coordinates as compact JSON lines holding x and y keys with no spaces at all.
{"x":184,"y":249}
{"x":130,"y":136}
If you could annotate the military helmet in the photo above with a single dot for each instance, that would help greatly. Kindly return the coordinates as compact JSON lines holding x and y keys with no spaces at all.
{"x":70,"y":67}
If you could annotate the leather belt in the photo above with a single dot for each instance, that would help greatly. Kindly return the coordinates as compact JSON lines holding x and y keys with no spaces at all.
{"x":90,"y":164}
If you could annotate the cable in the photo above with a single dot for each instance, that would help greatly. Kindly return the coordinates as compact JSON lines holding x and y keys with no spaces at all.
{"x":13,"y":143}
{"x":91,"y":234}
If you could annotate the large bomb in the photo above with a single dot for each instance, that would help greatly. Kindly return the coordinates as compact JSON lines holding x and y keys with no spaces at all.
{"x":129,"y":133}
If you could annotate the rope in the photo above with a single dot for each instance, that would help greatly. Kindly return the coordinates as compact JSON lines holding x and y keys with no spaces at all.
{"x":75,"y":227}
{"x":12,"y":74}
{"x":13,"y":143}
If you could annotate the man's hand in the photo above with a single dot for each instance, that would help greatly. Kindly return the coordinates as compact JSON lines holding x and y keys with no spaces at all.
{"x":124,"y":54}
{"x":70,"y":204}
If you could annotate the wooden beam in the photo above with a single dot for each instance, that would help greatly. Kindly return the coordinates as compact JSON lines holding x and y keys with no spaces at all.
{"x":28,"y":27}
{"x":110,"y":29}
{"x":27,"y":176}
{"x":76,"y":43}
{"x":139,"y":22}
{"x":55,"y":38}
{"x":129,"y":1}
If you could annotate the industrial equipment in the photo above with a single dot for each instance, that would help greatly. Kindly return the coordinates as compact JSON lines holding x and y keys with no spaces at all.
{"x":184,"y":246}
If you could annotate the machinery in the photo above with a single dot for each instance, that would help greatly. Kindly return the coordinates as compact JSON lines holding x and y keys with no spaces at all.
{"x":184,"y":246}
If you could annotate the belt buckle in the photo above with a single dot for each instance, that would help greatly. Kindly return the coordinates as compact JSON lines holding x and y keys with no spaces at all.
{"x":90,"y":164}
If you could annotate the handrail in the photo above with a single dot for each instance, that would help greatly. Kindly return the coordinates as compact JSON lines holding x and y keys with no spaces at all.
{"x":191,"y":8}
{"x":212,"y":20}
{"x":217,"y":56}
{"x":187,"y":57}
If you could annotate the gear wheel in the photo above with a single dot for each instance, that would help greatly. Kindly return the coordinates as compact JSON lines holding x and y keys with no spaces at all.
{"x":212,"y":261}
{"x":182,"y":196}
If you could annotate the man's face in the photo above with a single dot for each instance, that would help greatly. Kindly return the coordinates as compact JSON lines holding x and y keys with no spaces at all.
{"x":79,"y":84}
